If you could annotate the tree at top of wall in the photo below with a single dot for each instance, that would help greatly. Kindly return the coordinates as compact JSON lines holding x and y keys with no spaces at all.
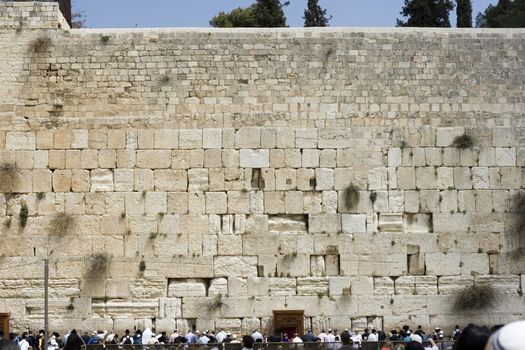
{"x":506,"y":14}
{"x":426,"y":13}
{"x":263,"y":13}
{"x":464,"y":13}
{"x":315,"y":15}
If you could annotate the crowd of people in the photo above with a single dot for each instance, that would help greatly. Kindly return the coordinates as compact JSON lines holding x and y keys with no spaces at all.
{"x":472,"y":337}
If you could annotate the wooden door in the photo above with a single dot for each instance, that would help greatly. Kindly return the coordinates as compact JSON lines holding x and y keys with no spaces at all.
{"x":289,"y":321}
{"x":4,"y":323}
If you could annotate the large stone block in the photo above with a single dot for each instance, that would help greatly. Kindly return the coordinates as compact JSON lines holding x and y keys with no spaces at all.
{"x":443,"y":264}
{"x":245,"y":266}
{"x":254,"y":158}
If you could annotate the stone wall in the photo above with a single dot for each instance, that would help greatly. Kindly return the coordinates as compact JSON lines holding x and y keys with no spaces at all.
{"x":208,"y":177}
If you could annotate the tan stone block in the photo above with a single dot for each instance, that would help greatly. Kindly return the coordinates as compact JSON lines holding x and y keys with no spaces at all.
{"x":229,"y":245}
{"x":196,"y":157}
{"x":144,"y":180}
{"x":18,"y":140}
{"x":22,"y":181}
{"x":230,"y":158}
{"x":80,"y":180}
{"x":442,"y":264}
{"x":285,"y":138}
{"x":24,"y":159}
{"x":134,"y":203}
{"x":166,"y":139}
{"x":212,"y":138}
{"x":268,"y":137}
{"x":212,"y":158}
{"x":95,"y":203}
{"x":171,"y":180}
{"x":44,"y":140}
{"x":124,"y":180}
{"x":57,"y":159}
{"x":178,"y":202}
{"x":62,"y":180}
{"x":248,"y":138}
{"x":107,"y":159}
{"x":406,"y":178}
{"x":42,"y":180}
{"x":79,"y":138}
{"x":101,"y":180}
{"x":98,"y":139}
{"x":126,"y":158}
{"x":88,"y":159}
{"x":294,"y":202}
{"x":305,"y":179}
{"x":180,"y":159}
{"x":285,"y":179}
{"x":62,"y":139}
{"x":274,"y":202}
{"x":73,"y":159}
{"x":292,"y":158}
{"x":145,"y":139}
{"x":238,"y":202}
{"x":154,"y":159}
{"x":277,"y":158}
{"x":306,"y":138}
{"x":190,"y":139}
{"x":310,"y":158}
{"x":268,"y":176}
{"x":41,"y":159}
{"x":74,"y":203}
{"x":216,"y":203}
{"x":116,"y":139}
{"x":324,"y":179}
{"x":198,"y":180}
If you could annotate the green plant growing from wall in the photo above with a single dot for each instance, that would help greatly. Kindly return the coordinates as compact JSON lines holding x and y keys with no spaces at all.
{"x":475,"y":298}
{"x":7,"y":222}
{"x":216,"y":303}
{"x":351,"y":196}
{"x":40,"y":196}
{"x":62,"y":224}
{"x":40,"y":44}
{"x":24,"y":214}
{"x":104,"y":39}
{"x":7,"y":173}
{"x":142,"y":266}
{"x":98,"y":264}
{"x":463,"y":142}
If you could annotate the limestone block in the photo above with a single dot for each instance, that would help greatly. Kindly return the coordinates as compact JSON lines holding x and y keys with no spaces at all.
{"x":165,"y":139}
{"x":417,"y":223}
{"x":453,"y":284}
{"x":212,"y":138}
{"x":378,"y":178}
{"x":504,"y":284}
{"x":293,"y":265}
{"x":230,"y":324}
{"x":144,"y":180}
{"x":237,"y":286}
{"x":445,"y":136}
{"x":254,"y":158}
{"x":24,"y":159}
{"x":433,"y":156}
{"x":511,"y":178}
{"x":327,"y":158}
{"x":245,"y":266}
{"x":362,"y":285}
{"x":442,"y":264}
{"x":116,"y":139}
{"x":196,"y":203}
{"x":305,"y":179}
{"x":443,"y":222}
{"x":254,"y":243}
{"x":62,"y":180}
{"x":248,"y":138}
{"x":468,"y":157}
{"x":429,"y":201}
{"x":277,"y":158}
{"x":312,"y":286}
{"x":41,"y":159}
{"x":256,"y":202}
{"x":405,"y":285}
{"x":425,"y":178}
{"x":74,"y":203}
{"x":257,"y":286}
{"x":292,"y":158}
{"x":268,"y":137}
{"x":310,"y":158}
{"x":57,"y":160}
{"x":107,"y":158}
{"x":42,"y":180}
{"x":190,"y":139}
{"x":216,"y":203}
{"x":285,"y":138}
{"x":505,"y":156}
{"x":503,"y":136}
{"x":79,"y":138}
{"x":487,"y":156}
{"x":146,"y":139}
{"x":394,"y":157}
{"x":474,"y":264}
{"x":19,"y":140}
{"x":124,"y":180}
{"x":230,"y":245}
{"x":101,"y":180}
{"x":186,"y":288}
{"x":329,"y":201}
{"x":426,"y":285}
{"x":294,"y":202}
{"x":285,"y":179}
{"x":445,"y":178}
{"x":334,"y":138}
{"x":324,"y":179}
{"x":306,"y":138}
{"x":520,"y":157}
{"x":383,"y":286}
{"x":317,"y":265}
{"x":180,"y":159}
{"x":159,"y":159}
{"x":155,"y":204}
{"x":89,"y":159}
{"x":406,"y":178}
{"x":462,"y":178}
{"x":390,"y":222}
{"x":324,"y":223}
{"x":451,"y":156}
{"x":282,"y":286}
{"x":228,"y":138}
{"x":198,"y":180}
{"x":196,"y":158}
{"x":411,"y":201}
{"x":274,"y":202}
{"x":353,"y":223}
{"x":218,"y":286}
{"x":44,"y":139}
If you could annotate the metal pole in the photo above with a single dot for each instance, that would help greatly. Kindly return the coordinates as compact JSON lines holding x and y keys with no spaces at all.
{"x":46,"y":297}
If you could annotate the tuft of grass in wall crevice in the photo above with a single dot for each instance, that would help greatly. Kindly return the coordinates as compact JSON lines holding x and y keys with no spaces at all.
{"x":463,"y":141}
{"x":351,"y":196}
{"x":62,"y":224}
{"x":40,"y":44}
{"x":24,"y":214}
{"x":98,"y":264}
{"x":475,"y":298}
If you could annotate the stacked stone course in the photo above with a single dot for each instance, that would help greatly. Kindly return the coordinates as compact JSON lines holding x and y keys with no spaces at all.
{"x":215,"y":164}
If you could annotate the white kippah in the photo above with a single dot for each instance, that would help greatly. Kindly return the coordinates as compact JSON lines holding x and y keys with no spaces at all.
{"x":509,"y":337}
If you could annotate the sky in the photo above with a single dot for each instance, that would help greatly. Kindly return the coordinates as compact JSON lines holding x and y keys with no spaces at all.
{"x":197,"y":13}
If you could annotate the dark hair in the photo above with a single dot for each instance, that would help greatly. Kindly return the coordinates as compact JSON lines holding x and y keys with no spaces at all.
{"x":346,"y":339}
{"x":473,"y":338}
{"x":74,"y":342}
{"x":8,"y":345}
{"x":414,"y":345}
{"x":247,"y":341}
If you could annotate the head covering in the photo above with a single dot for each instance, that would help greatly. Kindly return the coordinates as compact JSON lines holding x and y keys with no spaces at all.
{"x":509,"y":337}
{"x":417,"y":338}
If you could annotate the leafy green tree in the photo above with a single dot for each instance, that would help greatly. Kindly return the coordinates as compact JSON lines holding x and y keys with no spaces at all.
{"x":464,"y":13}
{"x":315,"y":16}
{"x":506,"y":14}
{"x":238,"y":17}
{"x":426,"y":13}
{"x":263,"y":13}
{"x":269,"y":13}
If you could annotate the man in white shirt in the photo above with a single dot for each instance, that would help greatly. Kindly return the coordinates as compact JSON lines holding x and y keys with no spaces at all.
{"x":322,"y":336}
{"x":256,"y":335}
{"x":24,"y":344}
{"x":373,"y":336}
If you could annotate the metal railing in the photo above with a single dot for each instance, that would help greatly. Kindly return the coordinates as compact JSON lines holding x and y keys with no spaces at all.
{"x":365,"y":345}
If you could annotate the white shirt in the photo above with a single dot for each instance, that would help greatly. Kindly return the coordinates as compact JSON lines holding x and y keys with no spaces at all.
{"x":322,"y":336}
{"x":297,"y":340}
{"x":256,"y":335}
{"x":24,"y":344}
{"x":373,"y":337}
